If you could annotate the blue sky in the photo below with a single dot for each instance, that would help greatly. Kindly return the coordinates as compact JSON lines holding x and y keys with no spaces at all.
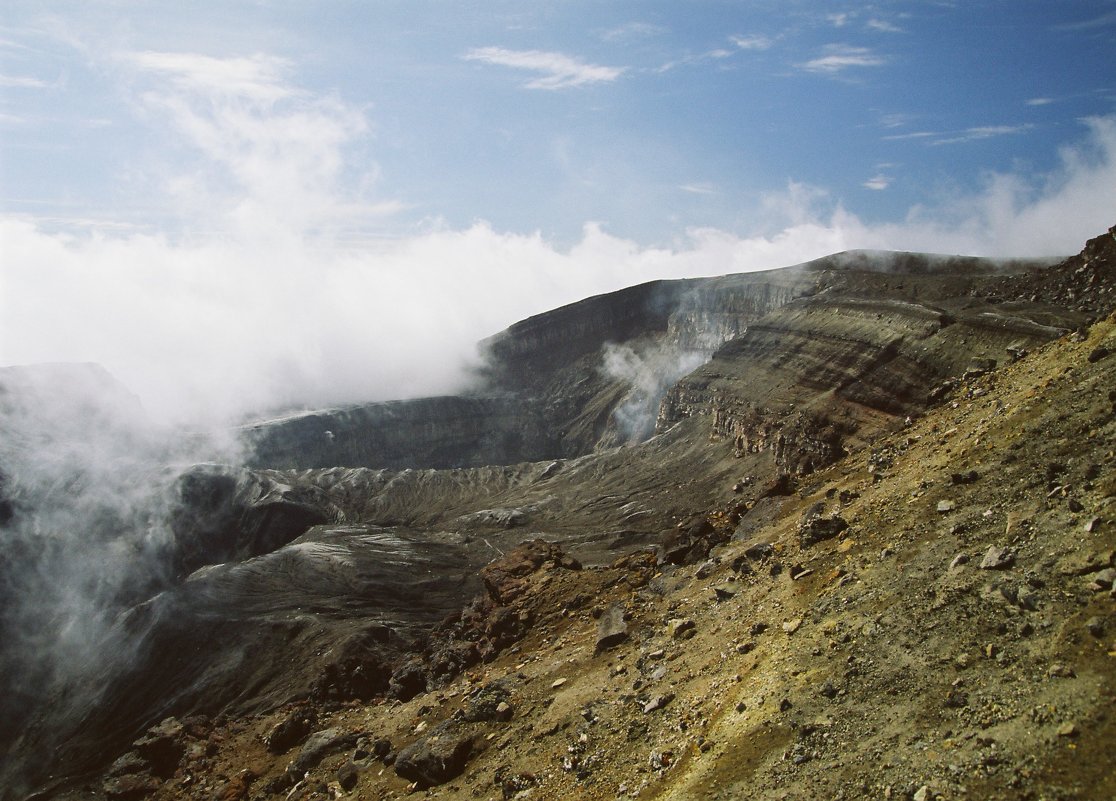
{"x":472,"y":162}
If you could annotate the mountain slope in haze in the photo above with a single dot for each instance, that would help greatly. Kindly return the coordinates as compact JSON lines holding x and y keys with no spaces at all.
{"x":763,"y":598}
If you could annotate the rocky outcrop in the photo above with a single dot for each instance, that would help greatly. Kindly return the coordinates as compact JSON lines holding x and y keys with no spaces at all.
{"x":816,"y":370}
{"x":223,"y":514}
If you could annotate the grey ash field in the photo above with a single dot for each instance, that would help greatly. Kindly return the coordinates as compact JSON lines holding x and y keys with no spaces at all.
{"x":840,"y":530}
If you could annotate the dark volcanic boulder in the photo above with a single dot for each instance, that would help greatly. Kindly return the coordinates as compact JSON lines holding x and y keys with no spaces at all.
{"x":819,"y":529}
{"x":438,"y":757}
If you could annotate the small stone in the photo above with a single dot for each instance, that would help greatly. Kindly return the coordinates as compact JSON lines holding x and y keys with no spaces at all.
{"x":1103,"y":580}
{"x":922,"y":794}
{"x":791,"y":626}
{"x":558,"y":683}
{"x":319,"y":745}
{"x":1098,"y":353}
{"x":720,"y":594}
{"x":955,"y":699}
{"x":1061,"y":671}
{"x":1067,"y":730}
{"x":798,"y":571}
{"x":960,"y":559}
{"x":1095,"y":626}
{"x":997,"y":558}
{"x":1093,"y":524}
{"x":705,"y":569}
{"x":818,"y":529}
{"x":946,"y":506}
{"x":681,"y":628}
{"x":658,"y":702}
{"x":759,"y":551}
{"x":288,"y":732}
{"x":347,"y":776}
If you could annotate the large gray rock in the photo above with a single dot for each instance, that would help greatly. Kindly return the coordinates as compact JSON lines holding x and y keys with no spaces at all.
{"x":438,"y":757}
{"x":611,"y":628}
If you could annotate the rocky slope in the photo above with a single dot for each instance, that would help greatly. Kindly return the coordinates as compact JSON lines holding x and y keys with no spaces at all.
{"x":869,"y":553}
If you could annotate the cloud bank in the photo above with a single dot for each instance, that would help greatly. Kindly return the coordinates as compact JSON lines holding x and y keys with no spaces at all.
{"x":278,"y":292}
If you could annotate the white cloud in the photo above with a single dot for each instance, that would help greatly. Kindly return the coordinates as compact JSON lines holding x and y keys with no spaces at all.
{"x":752,"y":42}
{"x":838,"y":20}
{"x":23,"y":82}
{"x":703,"y":188}
{"x":878,"y":182}
{"x":982,"y":132}
{"x":559,"y":71}
{"x":259,"y":77}
{"x":965,"y":135}
{"x":271,"y":156}
{"x":1040,"y":101}
{"x":839,"y":57}
{"x":911,"y":135}
{"x":883,"y":26}
{"x":633,"y":30}
{"x":896,"y":120}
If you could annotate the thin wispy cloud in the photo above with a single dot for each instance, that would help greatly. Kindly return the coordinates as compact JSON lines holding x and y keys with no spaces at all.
{"x":269,"y":155}
{"x":983,"y":132}
{"x":256,"y":77}
{"x":739,"y":44}
{"x":558,"y":70}
{"x":838,"y":20}
{"x":964,"y":135}
{"x":1040,"y":101}
{"x":702,"y":188}
{"x":895,"y":119}
{"x":1102,"y":21}
{"x":883,"y":26}
{"x":23,"y":82}
{"x":911,"y":135}
{"x":632,"y":30}
{"x":836,"y":58}
{"x":752,"y":42}
{"x":878,"y":182}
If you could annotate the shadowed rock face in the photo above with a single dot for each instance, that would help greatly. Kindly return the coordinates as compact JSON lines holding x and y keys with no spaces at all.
{"x":429,"y":432}
{"x":343,"y":562}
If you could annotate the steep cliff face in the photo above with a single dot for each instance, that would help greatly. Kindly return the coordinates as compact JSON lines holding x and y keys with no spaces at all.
{"x":550,"y":386}
{"x":428,"y":432}
{"x":816,"y":370}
